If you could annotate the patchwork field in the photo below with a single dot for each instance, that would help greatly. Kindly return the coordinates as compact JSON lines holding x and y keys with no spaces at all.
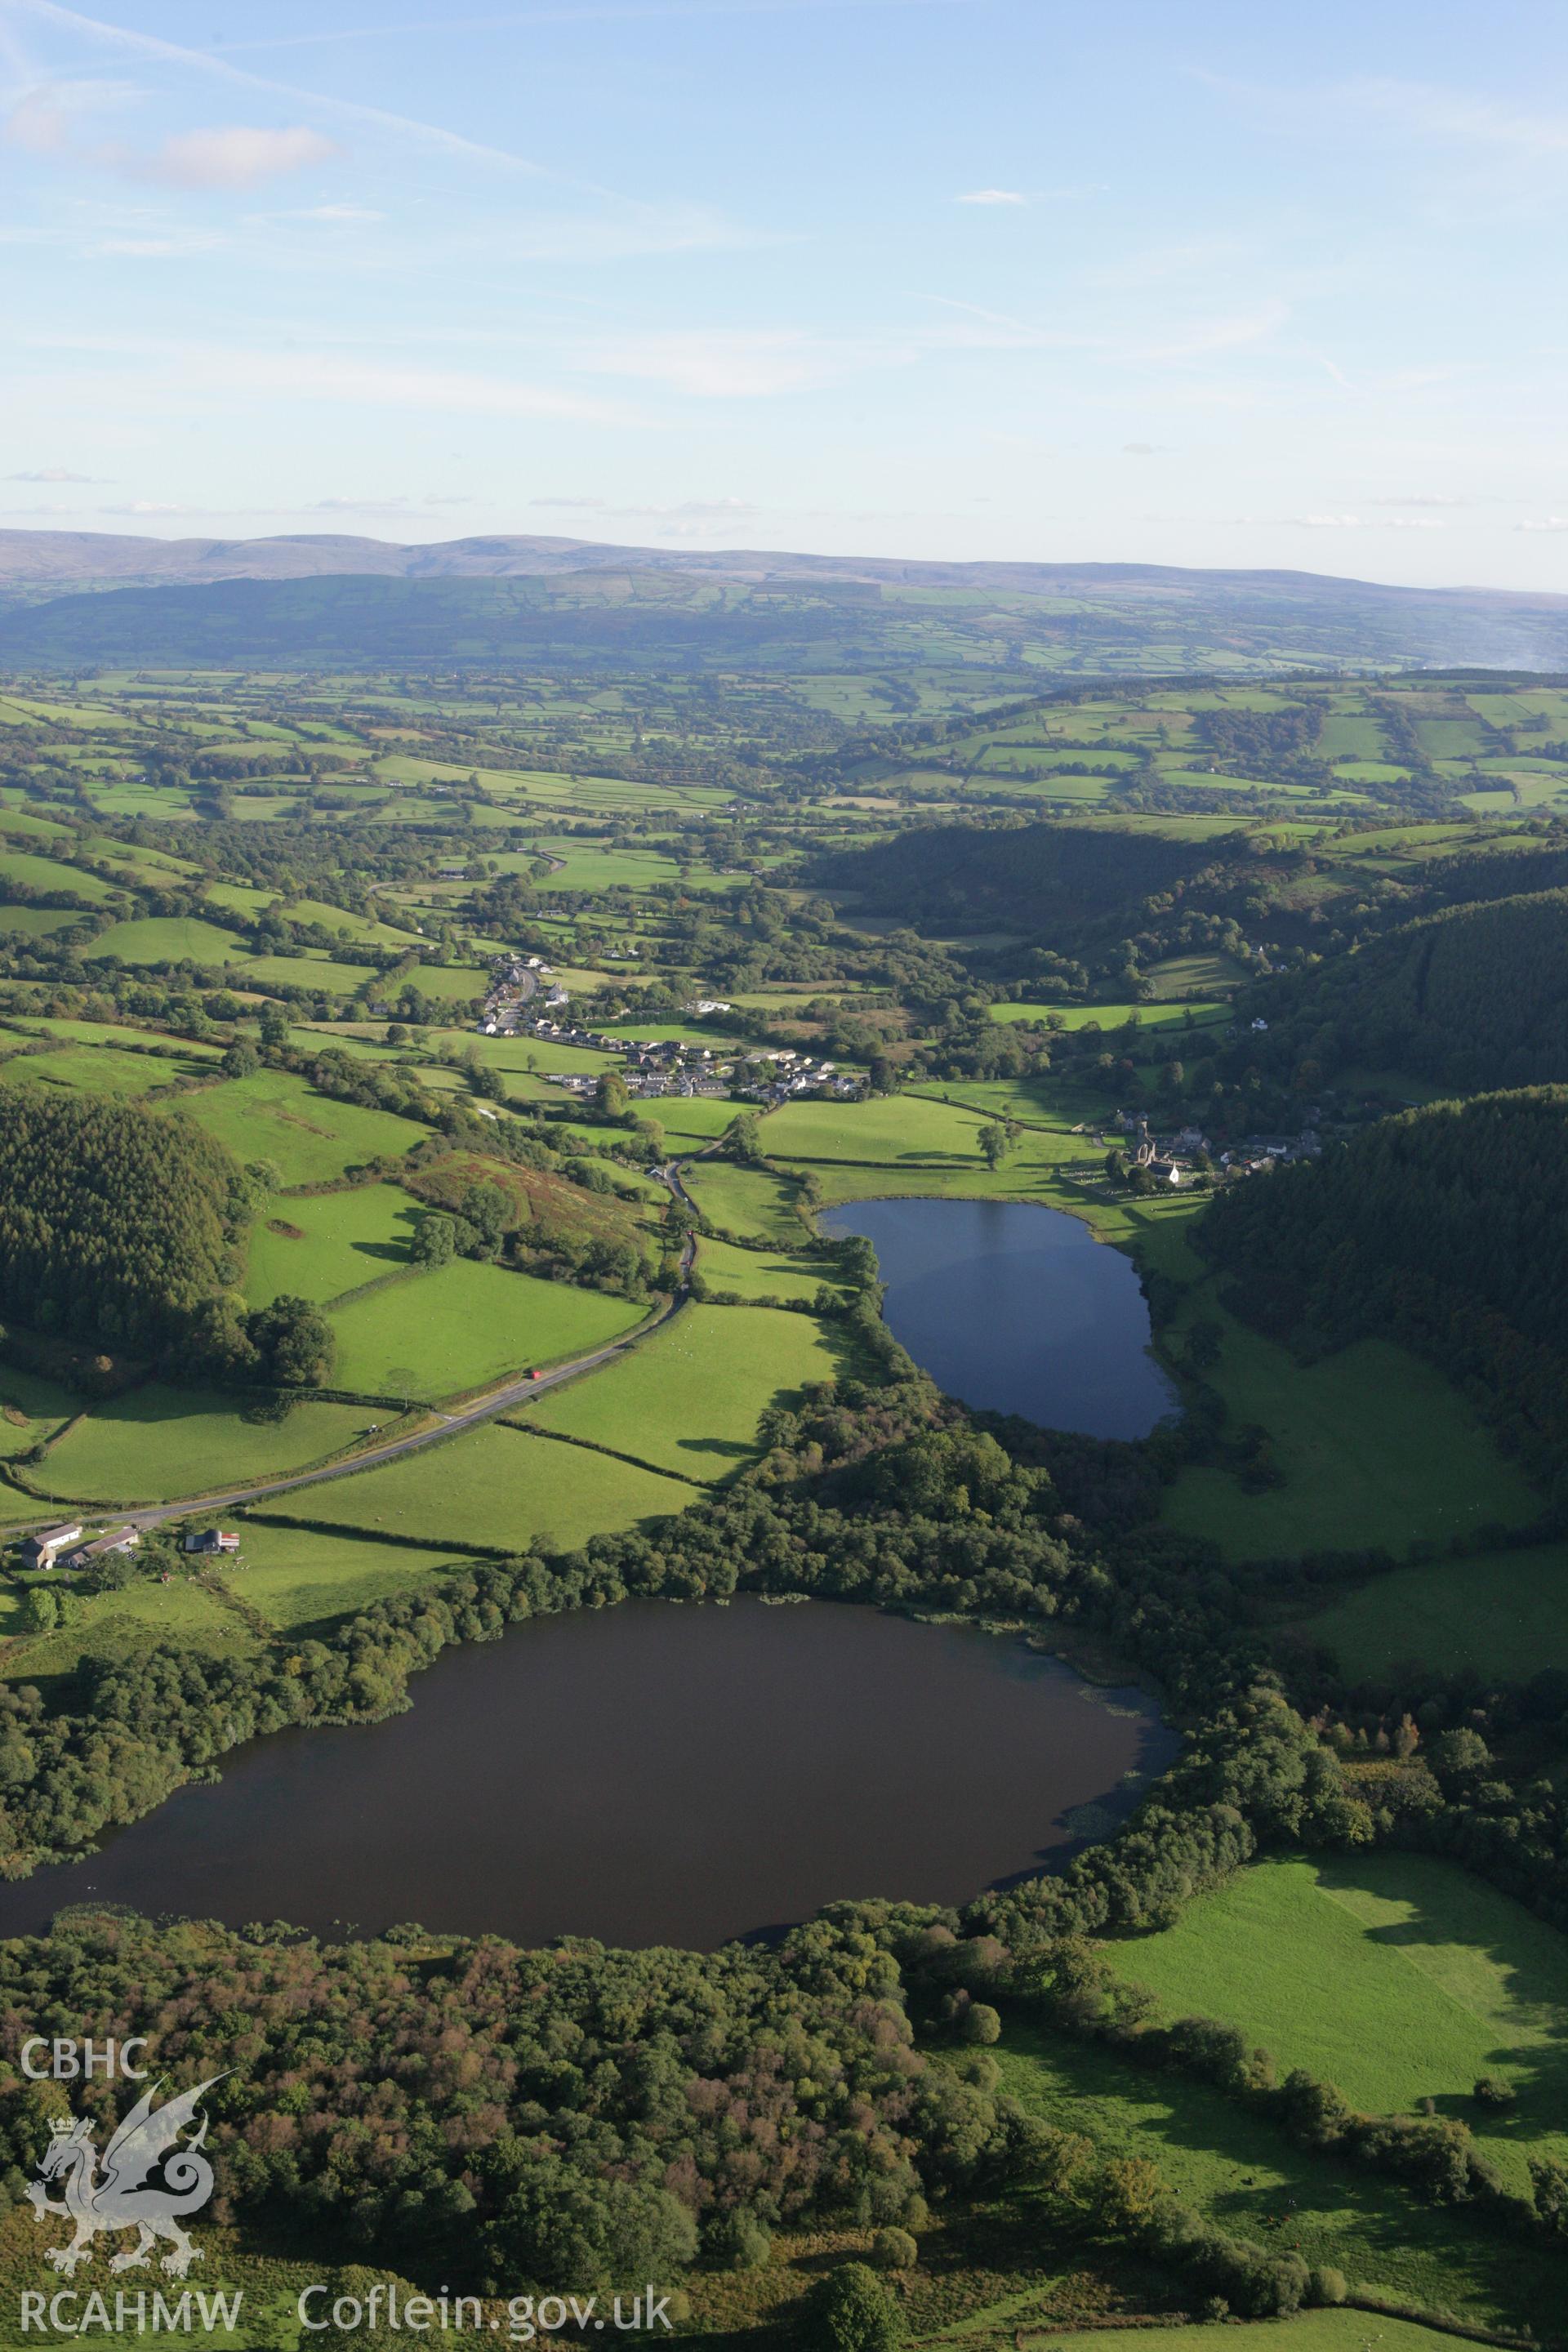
{"x":897,"y":1130}
{"x":744,"y":1200}
{"x":498,"y":1489}
{"x":689,"y":1399}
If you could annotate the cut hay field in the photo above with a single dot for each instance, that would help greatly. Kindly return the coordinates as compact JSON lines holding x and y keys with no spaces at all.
{"x":320,"y":1248}
{"x":500,"y":1489}
{"x":1397,"y":1977}
{"x":156,"y":1442}
{"x":1497,"y":1612}
{"x":689,"y":1400}
{"x":312,"y":1138}
{"x":465,"y":1325}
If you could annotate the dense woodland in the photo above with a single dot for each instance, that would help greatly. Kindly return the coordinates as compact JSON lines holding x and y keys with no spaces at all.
{"x":1475,"y":996}
{"x":115,"y":1225}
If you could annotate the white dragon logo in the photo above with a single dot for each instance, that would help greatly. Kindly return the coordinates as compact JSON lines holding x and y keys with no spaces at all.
{"x":127,"y":2197}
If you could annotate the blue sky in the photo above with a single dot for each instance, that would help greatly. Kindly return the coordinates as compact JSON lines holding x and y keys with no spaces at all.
{"x":1200,"y":283}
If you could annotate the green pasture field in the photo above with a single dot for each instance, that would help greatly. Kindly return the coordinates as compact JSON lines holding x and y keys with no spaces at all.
{"x":312,"y":1138}
{"x":319,"y":972}
{"x":691,"y":1120}
{"x":37,"y":922}
{"x":1377,"y":1450}
{"x":1241,"y":2172}
{"x":466,"y":1325}
{"x":156,"y":1443}
{"x":1501,"y":1613}
{"x":346,"y":925}
{"x":297,"y":1577}
{"x":169,"y":938}
{"x":764,"y":1274}
{"x":689,"y":1400}
{"x":743,"y":1199}
{"x":175,"y":1051}
{"x":889,"y":1131}
{"x":501,"y":1489}
{"x":21,"y":867}
{"x":1397,"y":1977}
{"x":443,"y":983}
{"x":344,"y":1239}
{"x":97,"y":1070}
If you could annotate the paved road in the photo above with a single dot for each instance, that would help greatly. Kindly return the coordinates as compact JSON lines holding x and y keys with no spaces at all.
{"x":451,"y":1425}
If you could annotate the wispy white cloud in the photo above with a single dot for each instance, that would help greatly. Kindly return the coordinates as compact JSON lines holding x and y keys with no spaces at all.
{"x":993,"y":196}
{"x":53,"y":474}
{"x":1545,"y":522}
{"x":410,"y":130}
{"x":232,"y":156}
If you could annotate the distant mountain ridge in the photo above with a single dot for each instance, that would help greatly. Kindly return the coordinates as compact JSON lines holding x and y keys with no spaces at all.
{"x":74,"y":598}
{"x":73,"y":559}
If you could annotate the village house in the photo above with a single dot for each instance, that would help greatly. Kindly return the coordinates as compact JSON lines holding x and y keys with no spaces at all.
{"x":212,"y":1540}
{"x":40,"y":1550}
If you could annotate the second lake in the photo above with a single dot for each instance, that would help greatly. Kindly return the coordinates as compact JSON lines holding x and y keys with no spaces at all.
{"x":1015,"y":1308}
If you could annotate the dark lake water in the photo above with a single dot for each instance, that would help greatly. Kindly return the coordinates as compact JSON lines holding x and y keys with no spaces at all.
{"x":646,"y":1774}
{"x":1015,"y":1308}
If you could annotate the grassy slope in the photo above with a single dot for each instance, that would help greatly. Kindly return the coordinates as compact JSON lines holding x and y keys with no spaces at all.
{"x":1398,"y":1977}
{"x":440,"y":1333}
{"x":690,"y":1400}
{"x":276,"y":1116}
{"x":499,"y":1488}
